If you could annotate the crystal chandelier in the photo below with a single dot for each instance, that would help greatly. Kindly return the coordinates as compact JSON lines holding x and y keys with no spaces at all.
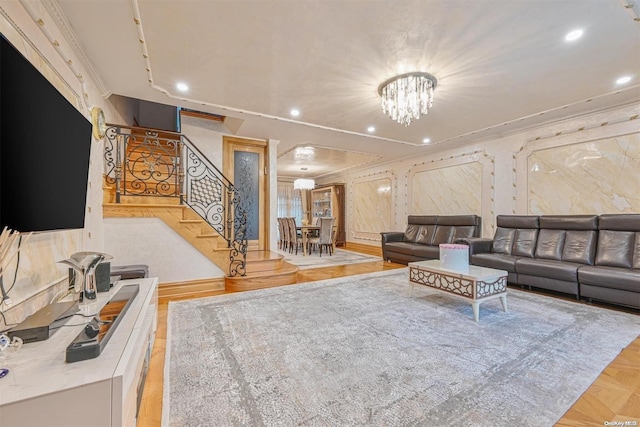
{"x":408,"y":96}
{"x":304,"y":184}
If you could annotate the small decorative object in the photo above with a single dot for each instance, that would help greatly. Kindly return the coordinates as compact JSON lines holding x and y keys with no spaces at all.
{"x":84,"y":264}
{"x":98,"y":122}
{"x":454,"y":257}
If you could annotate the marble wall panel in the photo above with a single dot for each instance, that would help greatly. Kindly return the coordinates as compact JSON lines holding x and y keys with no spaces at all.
{"x":372,"y":206}
{"x":600,"y":176}
{"x":452,"y":190}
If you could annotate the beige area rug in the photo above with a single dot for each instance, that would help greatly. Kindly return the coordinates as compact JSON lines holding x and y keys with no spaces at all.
{"x":362,"y":351}
{"x":339,"y":257}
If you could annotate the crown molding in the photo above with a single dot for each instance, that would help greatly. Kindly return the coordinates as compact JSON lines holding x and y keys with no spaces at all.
{"x":54,"y":9}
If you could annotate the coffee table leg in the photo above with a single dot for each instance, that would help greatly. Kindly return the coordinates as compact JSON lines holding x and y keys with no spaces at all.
{"x":503,"y":300}
{"x":476,"y":310}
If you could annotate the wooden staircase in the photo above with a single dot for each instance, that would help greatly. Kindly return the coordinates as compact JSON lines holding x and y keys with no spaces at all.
{"x":264,"y":268}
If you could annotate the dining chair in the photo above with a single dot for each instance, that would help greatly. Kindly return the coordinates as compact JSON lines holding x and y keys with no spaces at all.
{"x":295,"y":239}
{"x":281,"y":233}
{"x":326,"y":236}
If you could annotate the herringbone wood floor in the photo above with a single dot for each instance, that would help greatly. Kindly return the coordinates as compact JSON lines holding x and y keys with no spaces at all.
{"x":614,"y":396}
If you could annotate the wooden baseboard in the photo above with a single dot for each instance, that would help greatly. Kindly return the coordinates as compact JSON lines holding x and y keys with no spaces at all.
{"x":175,"y":291}
{"x":365,"y":249}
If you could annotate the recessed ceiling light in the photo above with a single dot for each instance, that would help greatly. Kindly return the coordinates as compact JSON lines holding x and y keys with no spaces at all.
{"x":426,"y":140}
{"x":573,"y":35}
{"x":623,"y":80}
{"x":371,"y":129}
{"x":295,"y":112}
{"x":182,"y":87}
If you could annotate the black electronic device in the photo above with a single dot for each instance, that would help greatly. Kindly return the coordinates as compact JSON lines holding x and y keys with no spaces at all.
{"x":45,"y":144}
{"x":94,"y":337}
{"x":37,"y":327}
{"x":103,"y":277}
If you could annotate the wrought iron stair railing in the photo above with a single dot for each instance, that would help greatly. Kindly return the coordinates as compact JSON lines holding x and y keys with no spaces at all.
{"x":150,"y":162}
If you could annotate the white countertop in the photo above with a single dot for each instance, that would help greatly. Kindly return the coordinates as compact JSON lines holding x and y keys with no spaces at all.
{"x":39,"y":368}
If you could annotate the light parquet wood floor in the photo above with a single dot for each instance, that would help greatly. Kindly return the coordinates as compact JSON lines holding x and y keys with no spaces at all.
{"x":614,"y":396}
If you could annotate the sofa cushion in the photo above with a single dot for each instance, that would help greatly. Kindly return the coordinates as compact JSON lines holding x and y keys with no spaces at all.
{"x":569,"y":222}
{"x":400,"y":247}
{"x":636,"y":252}
{"x":411,"y":233}
{"x":619,"y":222}
{"x":458,"y":220}
{"x":550,"y":244}
{"x":524,"y":243}
{"x":615,"y":248}
{"x":610,"y":277}
{"x":518,"y":221}
{"x":503,"y":240}
{"x":499,"y":261}
{"x":443,"y":234}
{"x":463,"y":232}
{"x":422,"y":219}
{"x":579,"y":246}
{"x":425,"y":234}
{"x":426,"y":251}
{"x":552,"y":269}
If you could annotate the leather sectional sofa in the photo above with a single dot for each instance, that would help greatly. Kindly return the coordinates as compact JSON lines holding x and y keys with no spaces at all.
{"x":423,"y":235}
{"x":589,"y":256}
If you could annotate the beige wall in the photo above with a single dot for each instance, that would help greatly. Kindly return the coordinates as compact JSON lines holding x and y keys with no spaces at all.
{"x":589,"y":164}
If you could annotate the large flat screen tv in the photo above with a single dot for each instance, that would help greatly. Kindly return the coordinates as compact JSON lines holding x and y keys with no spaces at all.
{"x":45,"y":144}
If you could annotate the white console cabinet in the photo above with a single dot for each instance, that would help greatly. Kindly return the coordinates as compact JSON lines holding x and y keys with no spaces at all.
{"x":41,"y":389}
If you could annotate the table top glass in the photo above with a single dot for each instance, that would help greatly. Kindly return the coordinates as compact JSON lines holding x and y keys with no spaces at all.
{"x":474,"y":272}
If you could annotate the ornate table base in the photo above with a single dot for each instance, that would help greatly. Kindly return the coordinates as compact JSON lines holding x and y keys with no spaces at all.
{"x":476,"y":285}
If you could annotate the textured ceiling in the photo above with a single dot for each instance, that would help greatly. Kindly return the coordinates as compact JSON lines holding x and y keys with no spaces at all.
{"x":499,"y":64}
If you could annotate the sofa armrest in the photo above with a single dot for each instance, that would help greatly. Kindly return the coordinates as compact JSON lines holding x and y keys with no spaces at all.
{"x":477,"y":245}
{"x":390,"y":236}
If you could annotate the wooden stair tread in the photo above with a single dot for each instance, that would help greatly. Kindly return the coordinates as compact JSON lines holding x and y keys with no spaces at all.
{"x":263,"y":256}
{"x":143,"y":205}
{"x":285,"y":270}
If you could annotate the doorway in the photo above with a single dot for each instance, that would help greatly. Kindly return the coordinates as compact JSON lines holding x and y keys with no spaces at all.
{"x":246,"y":166}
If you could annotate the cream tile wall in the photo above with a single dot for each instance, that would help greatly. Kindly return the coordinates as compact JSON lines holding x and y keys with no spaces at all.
{"x":372,"y":207}
{"x":586,"y":164}
{"x":595,"y":176}
{"x":458,"y":190}
{"x":38,"y":276}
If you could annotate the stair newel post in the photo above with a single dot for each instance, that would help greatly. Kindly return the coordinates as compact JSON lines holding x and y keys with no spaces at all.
{"x":180,"y":155}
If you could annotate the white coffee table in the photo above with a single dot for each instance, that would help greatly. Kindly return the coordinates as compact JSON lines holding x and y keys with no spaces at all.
{"x":475,"y":284}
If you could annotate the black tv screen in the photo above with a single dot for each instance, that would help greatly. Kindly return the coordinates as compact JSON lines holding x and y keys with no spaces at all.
{"x":45,"y":144}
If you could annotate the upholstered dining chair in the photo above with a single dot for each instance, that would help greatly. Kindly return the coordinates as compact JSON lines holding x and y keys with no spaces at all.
{"x":282,"y":238}
{"x":295,"y":239}
{"x":325,"y":238}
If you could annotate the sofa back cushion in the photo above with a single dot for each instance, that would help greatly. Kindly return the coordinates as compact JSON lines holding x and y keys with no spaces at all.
{"x":443,"y":234}
{"x":425,"y":234}
{"x":464,"y":232}
{"x":636,"y":252}
{"x":619,"y":240}
{"x":615,"y":248}
{"x":503,"y":240}
{"x":524,"y":243}
{"x":518,"y":221}
{"x":550,"y":244}
{"x":414,"y":225}
{"x":580,"y":246}
{"x":411,"y":233}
